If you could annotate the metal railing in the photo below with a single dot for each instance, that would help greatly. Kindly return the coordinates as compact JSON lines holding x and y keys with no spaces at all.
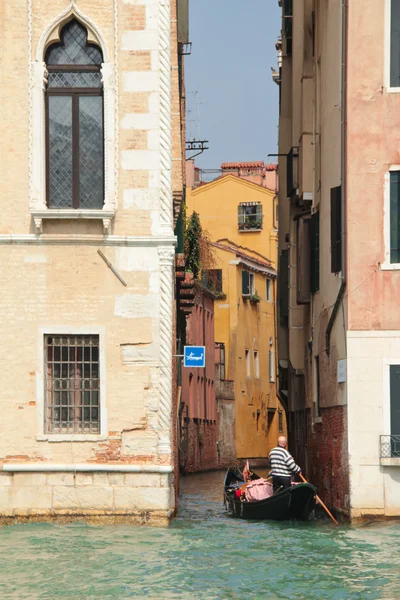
{"x":390,"y":446}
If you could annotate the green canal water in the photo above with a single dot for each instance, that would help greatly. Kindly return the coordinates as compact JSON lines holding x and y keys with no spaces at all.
{"x":202,"y":555}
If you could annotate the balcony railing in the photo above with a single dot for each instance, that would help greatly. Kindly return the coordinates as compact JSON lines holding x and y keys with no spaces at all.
{"x":390,"y":446}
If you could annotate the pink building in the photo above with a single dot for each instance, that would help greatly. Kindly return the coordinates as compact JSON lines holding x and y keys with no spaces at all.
{"x":339,"y":247}
{"x":207,"y":420}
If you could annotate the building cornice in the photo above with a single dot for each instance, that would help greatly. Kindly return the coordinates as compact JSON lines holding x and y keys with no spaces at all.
{"x":86,"y":240}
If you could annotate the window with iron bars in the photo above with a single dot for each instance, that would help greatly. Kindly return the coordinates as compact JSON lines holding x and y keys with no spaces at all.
{"x":250,"y":216}
{"x":72,"y":384}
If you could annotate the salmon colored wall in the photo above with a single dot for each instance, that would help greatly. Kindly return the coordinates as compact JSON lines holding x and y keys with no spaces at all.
{"x":372,"y":147}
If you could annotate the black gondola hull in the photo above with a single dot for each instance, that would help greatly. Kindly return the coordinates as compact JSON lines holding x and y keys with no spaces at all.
{"x":297,"y":502}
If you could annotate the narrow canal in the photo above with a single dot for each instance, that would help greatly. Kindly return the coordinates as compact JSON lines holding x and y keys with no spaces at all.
{"x":202,"y":555}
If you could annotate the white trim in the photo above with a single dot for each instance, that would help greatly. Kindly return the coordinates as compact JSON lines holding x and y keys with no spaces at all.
{"x":387,"y":49}
{"x":87,"y":240}
{"x":387,"y":265}
{"x":37,"y":147}
{"x":271,"y":366}
{"x":387,"y":363}
{"x":70,"y":330}
{"x":71,"y":213}
{"x":373,"y":334}
{"x":253,"y":266}
{"x":43,"y":467}
{"x":57,"y":437}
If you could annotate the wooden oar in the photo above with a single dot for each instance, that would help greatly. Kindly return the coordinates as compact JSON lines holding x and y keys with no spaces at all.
{"x":321,"y":503}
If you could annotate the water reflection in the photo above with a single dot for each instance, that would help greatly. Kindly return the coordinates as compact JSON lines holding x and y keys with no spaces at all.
{"x":204,"y":554}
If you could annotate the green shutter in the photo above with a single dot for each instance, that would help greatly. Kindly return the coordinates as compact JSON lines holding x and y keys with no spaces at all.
{"x":179,"y":234}
{"x":336,"y":229}
{"x":395,"y":400}
{"x":245,"y":283}
{"x":395,"y":217}
{"x":283,"y":288}
{"x":314,"y":254}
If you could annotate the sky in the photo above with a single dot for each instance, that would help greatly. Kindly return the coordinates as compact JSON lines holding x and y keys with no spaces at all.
{"x":228,"y":79}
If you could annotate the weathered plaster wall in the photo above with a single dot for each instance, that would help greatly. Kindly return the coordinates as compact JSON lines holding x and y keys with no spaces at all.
{"x":59,"y":282}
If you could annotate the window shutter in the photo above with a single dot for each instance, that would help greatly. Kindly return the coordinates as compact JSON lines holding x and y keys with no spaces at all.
{"x":303,"y":260}
{"x":241,"y":215}
{"x":336,"y":229}
{"x":395,"y":400}
{"x":271,"y":357}
{"x":314,"y":253}
{"x":245,"y":283}
{"x":218,"y":286}
{"x":283,"y":288}
{"x":395,"y":217}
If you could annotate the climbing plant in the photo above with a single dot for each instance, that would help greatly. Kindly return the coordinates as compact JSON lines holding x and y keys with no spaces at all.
{"x":200,"y":254}
{"x":192,"y":238}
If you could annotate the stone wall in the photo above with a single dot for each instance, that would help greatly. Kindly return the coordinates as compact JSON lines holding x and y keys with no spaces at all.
{"x":133,"y":497}
{"x":61,"y":285}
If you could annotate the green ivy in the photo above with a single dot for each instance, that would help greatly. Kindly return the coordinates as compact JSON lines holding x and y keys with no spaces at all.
{"x":192,"y":243}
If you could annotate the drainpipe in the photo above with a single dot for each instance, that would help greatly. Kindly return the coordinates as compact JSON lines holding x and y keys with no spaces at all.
{"x":342,"y":289}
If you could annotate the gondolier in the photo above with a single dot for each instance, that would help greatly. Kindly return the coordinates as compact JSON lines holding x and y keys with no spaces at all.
{"x":282,"y":465}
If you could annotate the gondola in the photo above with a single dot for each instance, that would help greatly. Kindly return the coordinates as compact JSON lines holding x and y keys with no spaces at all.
{"x":295,"y":503}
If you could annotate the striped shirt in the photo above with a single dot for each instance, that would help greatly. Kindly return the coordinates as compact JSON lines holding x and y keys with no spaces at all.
{"x":282,"y":463}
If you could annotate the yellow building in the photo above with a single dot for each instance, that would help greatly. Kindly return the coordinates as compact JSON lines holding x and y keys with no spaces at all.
{"x":240,"y":217}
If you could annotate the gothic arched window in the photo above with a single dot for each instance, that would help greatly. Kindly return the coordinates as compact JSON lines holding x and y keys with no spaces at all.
{"x":74,"y":118}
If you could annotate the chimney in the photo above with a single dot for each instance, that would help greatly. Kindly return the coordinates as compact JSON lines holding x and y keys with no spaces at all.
{"x":190,"y":173}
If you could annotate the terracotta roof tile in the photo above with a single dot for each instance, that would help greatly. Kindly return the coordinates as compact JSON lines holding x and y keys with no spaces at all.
{"x":243,"y":165}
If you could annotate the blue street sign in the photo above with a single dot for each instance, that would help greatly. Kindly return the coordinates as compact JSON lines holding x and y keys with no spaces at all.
{"x":194,"y":356}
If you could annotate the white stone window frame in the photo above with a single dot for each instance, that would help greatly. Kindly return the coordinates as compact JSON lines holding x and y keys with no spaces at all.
{"x":37,"y":162}
{"x":387,"y":265}
{"x":42,"y":435}
{"x":388,"y":38}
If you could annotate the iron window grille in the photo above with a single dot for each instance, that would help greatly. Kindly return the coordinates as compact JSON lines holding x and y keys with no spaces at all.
{"x":72,"y":384}
{"x":280,"y":421}
{"x":250,"y":216}
{"x":74,"y":122}
{"x":390,"y":446}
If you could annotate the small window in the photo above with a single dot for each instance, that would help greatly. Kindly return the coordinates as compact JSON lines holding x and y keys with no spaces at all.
{"x":395,"y":217}
{"x":395,"y":44}
{"x":280,"y":421}
{"x":74,"y":120}
{"x":247,"y":283}
{"x":212,"y":280}
{"x":256,"y":364}
{"x":269,"y":288}
{"x":250,"y":216}
{"x":248,"y":367}
{"x":271,"y":362}
{"x":288,"y":25}
{"x":72,"y":384}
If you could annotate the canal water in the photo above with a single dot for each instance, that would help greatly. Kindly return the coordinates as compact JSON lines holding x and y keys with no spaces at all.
{"x":203,"y":555}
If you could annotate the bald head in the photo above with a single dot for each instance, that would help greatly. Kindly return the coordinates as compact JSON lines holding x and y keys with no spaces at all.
{"x":282,"y":441}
